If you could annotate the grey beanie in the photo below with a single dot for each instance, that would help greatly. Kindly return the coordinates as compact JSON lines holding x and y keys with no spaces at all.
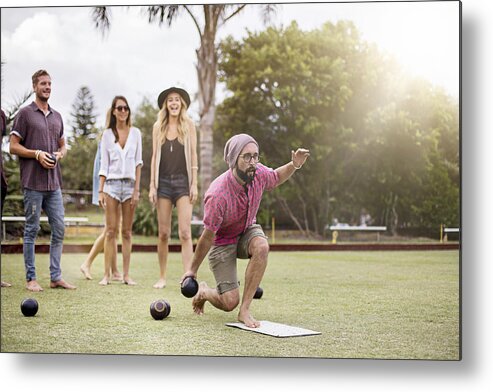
{"x":234,"y":146}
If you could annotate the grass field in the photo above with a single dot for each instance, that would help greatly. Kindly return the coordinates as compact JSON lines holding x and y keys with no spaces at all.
{"x":366,"y":304}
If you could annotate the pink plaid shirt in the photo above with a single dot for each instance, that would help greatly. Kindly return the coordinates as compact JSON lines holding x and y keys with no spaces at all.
{"x":229,"y":211}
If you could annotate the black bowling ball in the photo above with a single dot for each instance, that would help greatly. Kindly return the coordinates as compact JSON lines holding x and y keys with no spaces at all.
{"x":29,"y":307}
{"x":189,"y":287}
{"x":160,"y":309}
{"x":258,"y":293}
{"x":52,"y":158}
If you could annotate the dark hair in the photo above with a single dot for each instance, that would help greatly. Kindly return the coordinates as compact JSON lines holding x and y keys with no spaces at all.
{"x":111,"y":119}
{"x":37,"y":74}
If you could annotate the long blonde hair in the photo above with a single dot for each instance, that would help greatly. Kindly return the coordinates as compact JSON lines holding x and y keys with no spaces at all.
{"x":162,"y":123}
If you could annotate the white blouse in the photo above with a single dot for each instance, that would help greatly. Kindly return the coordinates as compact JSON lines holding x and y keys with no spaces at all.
{"x":117,"y":162}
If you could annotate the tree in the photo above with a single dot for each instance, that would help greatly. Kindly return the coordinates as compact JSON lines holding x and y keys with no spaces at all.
{"x":289,"y":89}
{"x":378,"y":139}
{"x":83,"y":116}
{"x":144,"y":118}
{"x":438,"y":199}
{"x":207,"y":19}
{"x":81,"y":155}
{"x":82,"y":143}
{"x":11,"y":162}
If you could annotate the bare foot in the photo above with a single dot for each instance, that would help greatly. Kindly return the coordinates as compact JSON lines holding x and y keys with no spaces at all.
{"x":33,"y":285}
{"x":85,"y":271}
{"x":198,"y":301}
{"x":129,"y":281}
{"x":105,"y":281}
{"x":61,"y":284}
{"x":6,"y":284}
{"x":246,"y":318}
{"x":117,"y":277}
{"x":160,"y":284}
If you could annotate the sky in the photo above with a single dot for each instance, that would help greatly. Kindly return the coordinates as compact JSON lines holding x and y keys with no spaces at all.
{"x":138,"y":59}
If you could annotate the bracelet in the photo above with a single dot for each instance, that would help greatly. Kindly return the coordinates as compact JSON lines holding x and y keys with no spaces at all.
{"x":100,"y":191}
{"x":195,"y":167}
{"x":297,"y":168}
{"x":36,"y":154}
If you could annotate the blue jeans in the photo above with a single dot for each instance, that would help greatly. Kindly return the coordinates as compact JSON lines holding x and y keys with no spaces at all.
{"x":52,"y":204}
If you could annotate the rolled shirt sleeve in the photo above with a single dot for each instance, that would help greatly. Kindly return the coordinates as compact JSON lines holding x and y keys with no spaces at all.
{"x":270,"y":178}
{"x":213,"y":212}
{"x":19,"y":127}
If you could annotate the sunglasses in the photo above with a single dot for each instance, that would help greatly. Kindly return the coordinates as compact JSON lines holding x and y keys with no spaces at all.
{"x":122,"y":108}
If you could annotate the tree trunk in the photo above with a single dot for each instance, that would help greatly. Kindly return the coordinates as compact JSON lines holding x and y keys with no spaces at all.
{"x":286,"y":208}
{"x":305,"y":217}
{"x":391,"y":216}
{"x":207,"y":77}
{"x":395,"y":216}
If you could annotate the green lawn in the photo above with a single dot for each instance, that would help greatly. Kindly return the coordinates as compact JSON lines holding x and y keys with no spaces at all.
{"x":366,"y":304}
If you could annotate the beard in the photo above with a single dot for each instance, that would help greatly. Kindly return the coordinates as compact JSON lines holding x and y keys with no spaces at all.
{"x":42,"y":98}
{"x":247,"y":176}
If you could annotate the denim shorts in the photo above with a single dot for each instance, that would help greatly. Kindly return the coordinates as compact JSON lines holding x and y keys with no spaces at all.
{"x":121,"y":189}
{"x":222,"y":259}
{"x":173,"y":187}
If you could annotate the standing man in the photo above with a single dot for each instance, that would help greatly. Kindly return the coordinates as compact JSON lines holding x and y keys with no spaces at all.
{"x":230,"y":208}
{"x":37,"y":137}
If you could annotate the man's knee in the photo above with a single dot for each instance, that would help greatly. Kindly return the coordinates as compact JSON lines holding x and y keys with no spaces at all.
{"x":230,"y":300}
{"x":58,"y":232}
{"x":31,"y":230}
{"x":259,"y":248}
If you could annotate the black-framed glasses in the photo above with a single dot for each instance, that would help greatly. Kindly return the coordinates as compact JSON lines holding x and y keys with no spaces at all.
{"x":247,"y":158}
{"x":122,"y":108}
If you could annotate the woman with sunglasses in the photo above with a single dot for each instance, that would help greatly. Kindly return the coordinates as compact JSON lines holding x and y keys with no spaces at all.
{"x":119,"y":183}
{"x":173,"y":174}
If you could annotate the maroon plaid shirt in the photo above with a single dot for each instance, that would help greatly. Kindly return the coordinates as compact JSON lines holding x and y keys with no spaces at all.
{"x":39,"y":132}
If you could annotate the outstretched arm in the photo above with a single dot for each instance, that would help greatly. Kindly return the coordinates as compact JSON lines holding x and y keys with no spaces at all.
{"x":298,"y":159}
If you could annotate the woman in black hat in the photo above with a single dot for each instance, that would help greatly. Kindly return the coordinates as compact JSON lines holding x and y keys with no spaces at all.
{"x":173,"y":174}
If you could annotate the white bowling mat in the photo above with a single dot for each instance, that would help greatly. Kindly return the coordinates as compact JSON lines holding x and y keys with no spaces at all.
{"x":276,"y":329}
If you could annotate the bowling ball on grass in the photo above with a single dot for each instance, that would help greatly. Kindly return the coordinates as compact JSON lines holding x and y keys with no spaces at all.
{"x":160,"y":309}
{"x":29,"y":307}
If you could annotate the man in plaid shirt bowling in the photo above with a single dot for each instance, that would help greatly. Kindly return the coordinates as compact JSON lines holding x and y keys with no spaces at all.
{"x":230,"y":230}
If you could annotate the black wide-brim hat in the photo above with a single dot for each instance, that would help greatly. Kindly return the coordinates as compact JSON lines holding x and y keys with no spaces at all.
{"x":170,"y":90}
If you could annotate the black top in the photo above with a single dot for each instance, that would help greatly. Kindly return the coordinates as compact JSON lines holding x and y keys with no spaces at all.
{"x":172,"y":158}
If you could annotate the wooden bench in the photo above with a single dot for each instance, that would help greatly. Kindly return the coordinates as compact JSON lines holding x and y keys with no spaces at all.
{"x":337,"y":228}
{"x":69,"y":221}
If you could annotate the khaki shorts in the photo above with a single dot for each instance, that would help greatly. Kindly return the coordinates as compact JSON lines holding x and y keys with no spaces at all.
{"x":222,"y":259}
